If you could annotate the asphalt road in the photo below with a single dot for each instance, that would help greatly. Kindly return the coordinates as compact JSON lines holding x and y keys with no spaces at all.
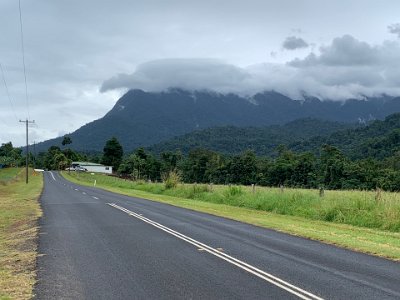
{"x":100,"y":245}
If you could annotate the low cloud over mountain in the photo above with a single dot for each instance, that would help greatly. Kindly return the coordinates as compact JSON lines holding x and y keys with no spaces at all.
{"x":346,"y":68}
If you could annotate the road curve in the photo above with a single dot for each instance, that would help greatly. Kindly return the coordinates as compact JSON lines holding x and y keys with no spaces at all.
{"x":95,"y":244}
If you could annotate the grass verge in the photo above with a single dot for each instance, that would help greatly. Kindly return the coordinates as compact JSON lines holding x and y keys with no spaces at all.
{"x":19,"y":213}
{"x":372,"y":241}
{"x":8,"y":175}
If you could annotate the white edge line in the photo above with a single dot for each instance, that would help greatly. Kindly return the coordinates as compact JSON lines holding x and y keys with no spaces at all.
{"x":51,"y":173}
{"x":249,"y":268}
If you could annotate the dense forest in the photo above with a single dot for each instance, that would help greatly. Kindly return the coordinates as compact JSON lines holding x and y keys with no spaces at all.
{"x":377,"y":139}
{"x":262,"y":140}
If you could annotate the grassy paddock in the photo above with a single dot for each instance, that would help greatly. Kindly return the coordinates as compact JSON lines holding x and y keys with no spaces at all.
{"x":9,"y":175}
{"x":19,"y":212}
{"x":300,"y":212}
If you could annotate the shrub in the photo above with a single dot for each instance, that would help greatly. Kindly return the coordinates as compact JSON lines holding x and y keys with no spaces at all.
{"x":171,"y":179}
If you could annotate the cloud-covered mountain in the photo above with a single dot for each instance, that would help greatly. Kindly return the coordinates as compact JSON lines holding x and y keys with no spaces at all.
{"x":144,"y":118}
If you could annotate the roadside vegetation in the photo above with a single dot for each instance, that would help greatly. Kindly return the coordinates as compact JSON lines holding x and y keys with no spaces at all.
{"x":19,"y":213}
{"x":367,"y":221}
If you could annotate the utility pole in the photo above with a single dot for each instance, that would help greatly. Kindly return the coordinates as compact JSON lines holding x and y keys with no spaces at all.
{"x":34,"y":154}
{"x":27,"y":122}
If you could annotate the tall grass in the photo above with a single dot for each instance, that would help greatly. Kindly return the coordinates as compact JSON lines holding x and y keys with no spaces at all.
{"x":359,"y":208}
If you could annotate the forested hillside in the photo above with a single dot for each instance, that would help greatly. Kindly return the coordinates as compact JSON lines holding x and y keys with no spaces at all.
{"x":378,"y":139}
{"x":262,"y":140}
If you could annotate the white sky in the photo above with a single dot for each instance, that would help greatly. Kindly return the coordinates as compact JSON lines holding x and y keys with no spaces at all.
{"x":73,"y":46}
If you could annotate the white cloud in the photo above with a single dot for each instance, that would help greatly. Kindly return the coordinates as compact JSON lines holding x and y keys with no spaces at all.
{"x":343,"y":51}
{"x":346,"y":68}
{"x":194,"y":74}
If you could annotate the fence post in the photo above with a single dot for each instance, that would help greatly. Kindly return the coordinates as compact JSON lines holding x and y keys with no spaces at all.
{"x":378,"y":195}
{"x":281,"y":187}
{"x":253,"y":188}
{"x":321,"y":192}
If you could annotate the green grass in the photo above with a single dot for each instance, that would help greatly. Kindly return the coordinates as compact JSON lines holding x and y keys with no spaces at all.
{"x":295,"y":211}
{"x":19,"y":213}
{"x":8,"y":174}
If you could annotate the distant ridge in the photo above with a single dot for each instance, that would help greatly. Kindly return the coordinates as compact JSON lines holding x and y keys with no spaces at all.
{"x":145,"y":118}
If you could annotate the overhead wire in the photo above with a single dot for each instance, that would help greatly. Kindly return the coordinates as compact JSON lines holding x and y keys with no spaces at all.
{"x":7,"y":91}
{"x":23,"y":58}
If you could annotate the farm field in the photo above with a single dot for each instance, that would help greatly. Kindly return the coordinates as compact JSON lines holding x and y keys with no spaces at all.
{"x":366,"y":221}
{"x":19,"y":213}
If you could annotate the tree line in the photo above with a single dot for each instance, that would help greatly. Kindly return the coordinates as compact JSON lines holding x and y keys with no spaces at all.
{"x":330,"y":168}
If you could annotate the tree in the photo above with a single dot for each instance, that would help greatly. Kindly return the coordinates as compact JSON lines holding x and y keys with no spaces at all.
{"x":10,"y":156}
{"x":195,"y":166}
{"x":112,"y":153}
{"x":60,"y":161}
{"x":170,"y":161}
{"x":140,"y":165}
{"x":281,"y":170}
{"x":243,"y":168}
{"x":304,"y":171}
{"x":66,"y":140}
{"x":333,"y":163}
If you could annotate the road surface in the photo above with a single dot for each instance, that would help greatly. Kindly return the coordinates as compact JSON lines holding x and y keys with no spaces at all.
{"x":99,"y":245}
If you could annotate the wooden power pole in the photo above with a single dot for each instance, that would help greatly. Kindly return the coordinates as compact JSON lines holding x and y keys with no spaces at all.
{"x":27,"y":122}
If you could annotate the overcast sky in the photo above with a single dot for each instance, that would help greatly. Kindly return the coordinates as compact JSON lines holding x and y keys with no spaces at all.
{"x":82,"y":55}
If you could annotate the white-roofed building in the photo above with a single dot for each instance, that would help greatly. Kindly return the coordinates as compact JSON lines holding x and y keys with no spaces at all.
{"x":92,"y":167}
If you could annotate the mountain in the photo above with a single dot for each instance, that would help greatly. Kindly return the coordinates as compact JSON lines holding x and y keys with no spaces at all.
{"x":145,"y":118}
{"x":262,"y":140}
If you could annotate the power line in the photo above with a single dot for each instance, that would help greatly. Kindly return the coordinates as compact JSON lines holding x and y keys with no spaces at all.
{"x":7,"y":91}
{"x":23,"y":57}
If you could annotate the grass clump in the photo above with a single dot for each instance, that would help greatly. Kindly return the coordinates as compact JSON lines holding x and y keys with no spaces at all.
{"x":19,"y":212}
{"x":171,"y":179}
